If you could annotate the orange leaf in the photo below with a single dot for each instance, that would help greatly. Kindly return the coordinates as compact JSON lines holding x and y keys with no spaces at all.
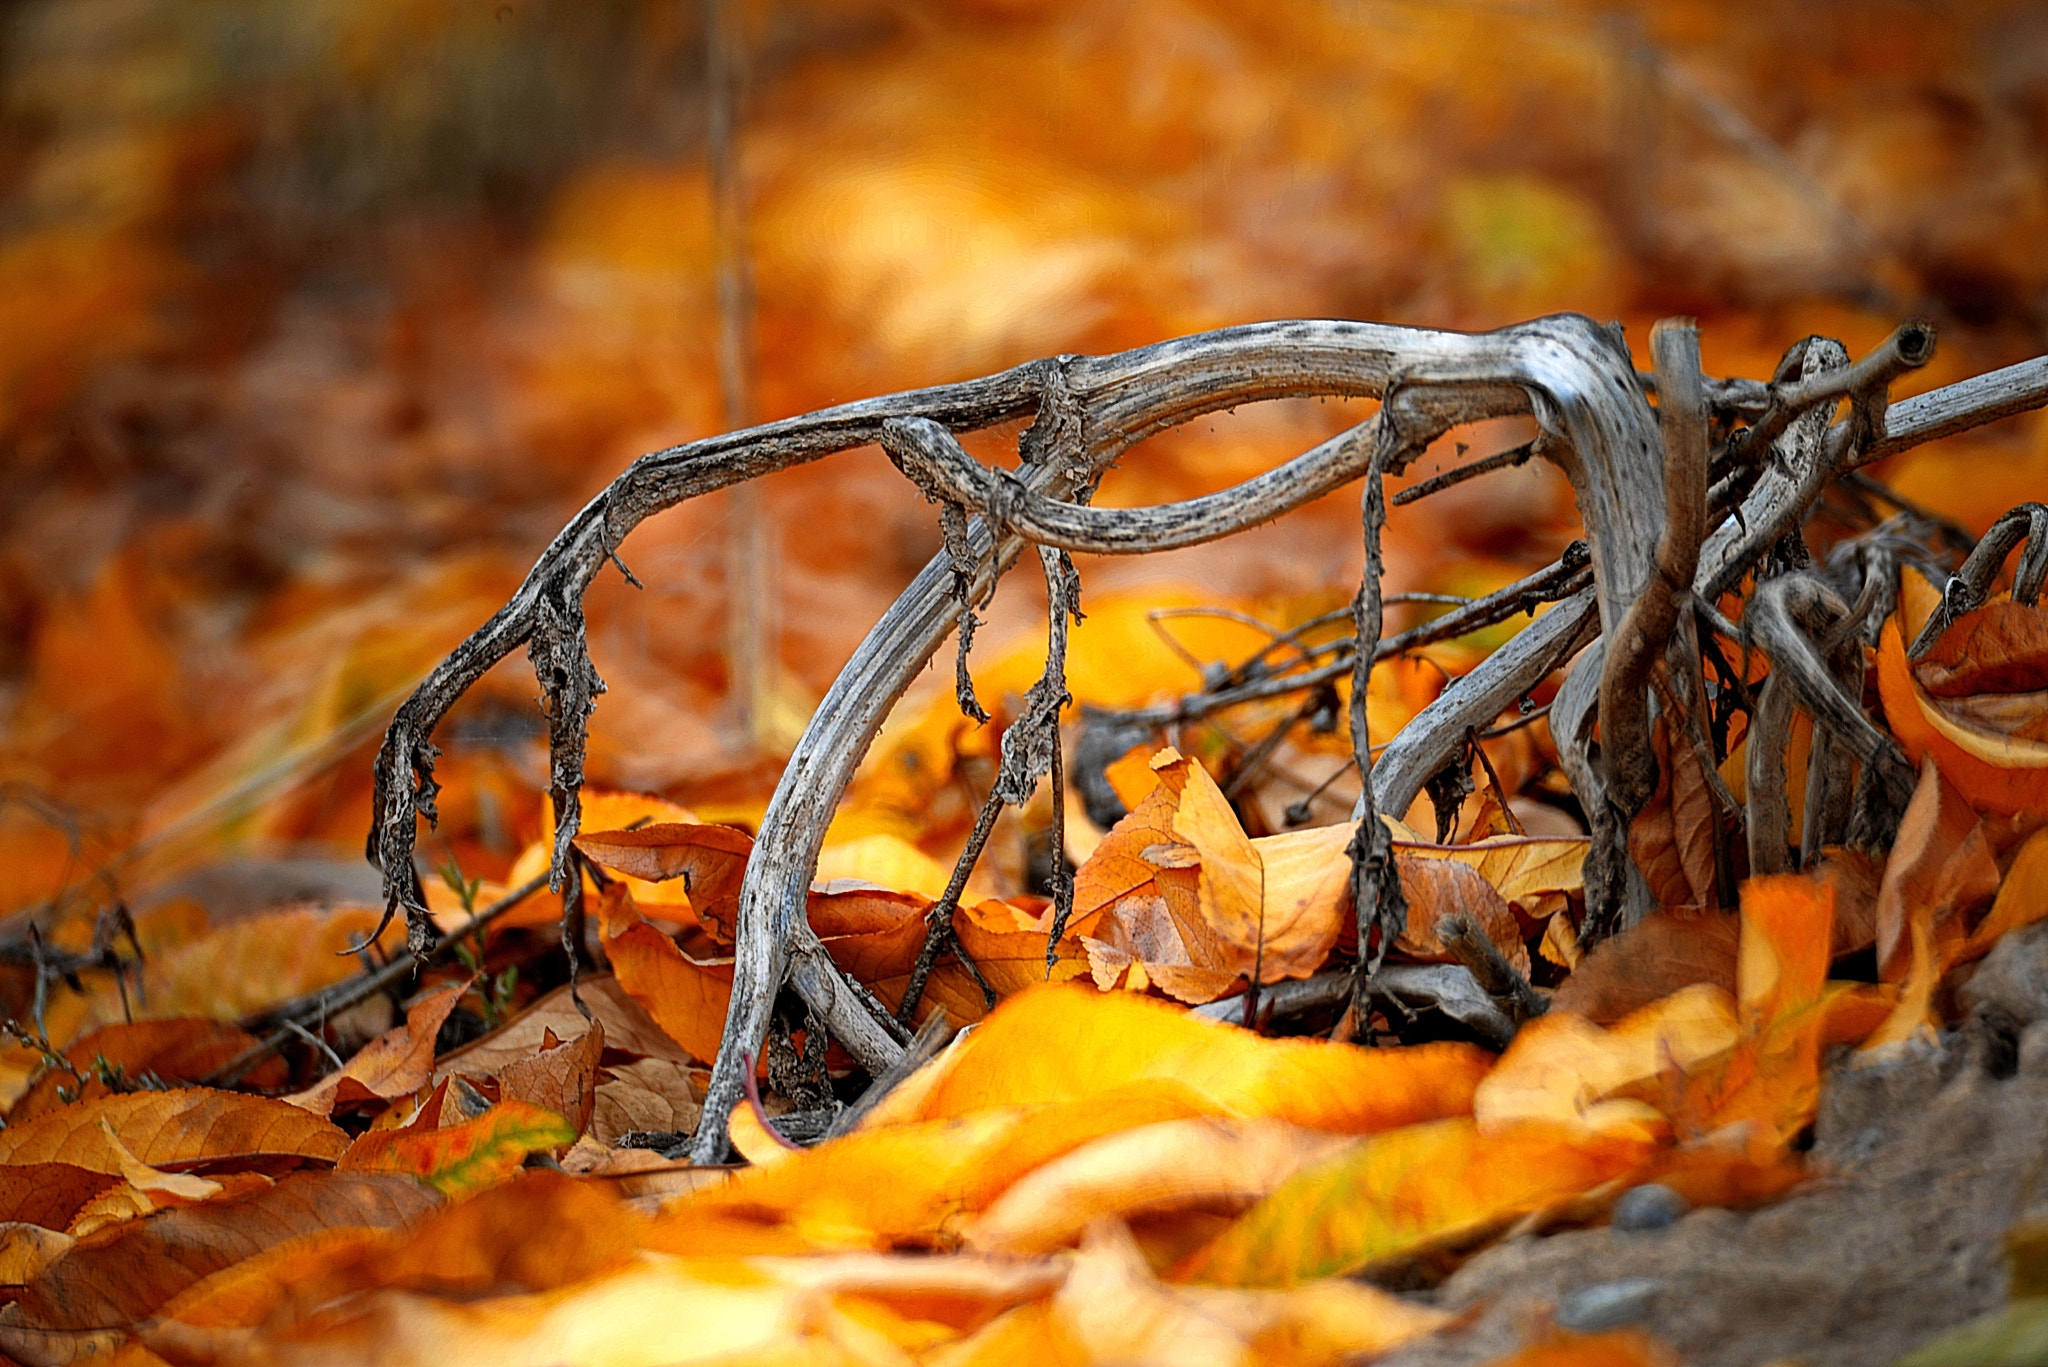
{"x":119,"y":1275}
{"x":2022,"y":899}
{"x":184,"y":1127}
{"x":1028,"y":1049}
{"x":179,"y":1049}
{"x":48,"y":1194}
{"x":688,"y":1000}
{"x":1572,"y":1074}
{"x":462,"y":1158}
{"x":628,"y":1029}
{"x":1773,"y":1076}
{"x":1198,"y":1164}
{"x":1672,"y":839}
{"x":1308,"y":897}
{"x":1110,"y":1308}
{"x":395,"y":1063}
{"x":1526,"y":870}
{"x":1396,"y":1194}
{"x":1995,"y":764}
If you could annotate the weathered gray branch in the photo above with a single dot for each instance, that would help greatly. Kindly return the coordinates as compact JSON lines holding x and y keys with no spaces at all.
{"x":1574,"y":376}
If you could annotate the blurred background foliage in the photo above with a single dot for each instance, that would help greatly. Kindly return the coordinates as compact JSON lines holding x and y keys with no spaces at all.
{"x":318,"y":317}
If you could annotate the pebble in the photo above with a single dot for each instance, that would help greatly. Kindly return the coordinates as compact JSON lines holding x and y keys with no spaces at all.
{"x":1650,"y":1206}
{"x":1608,"y":1305}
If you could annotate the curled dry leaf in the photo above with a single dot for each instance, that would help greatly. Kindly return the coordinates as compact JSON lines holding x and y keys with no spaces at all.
{"x":185,"y":1127}
{"x":710,"y":861}
{"x":1989,"y":741}
{"x":1183,"y":900}
{"x":394,"y":1064}
{"x":1941,"y":869}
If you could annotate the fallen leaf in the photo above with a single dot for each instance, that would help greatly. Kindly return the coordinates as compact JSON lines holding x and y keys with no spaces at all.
{"x":562,"y":1079}
{"x":1994,"y":761}
{"x":1400,"y":1193}
{"x":1653,"y":958}
{"x":1526,"y":870}
{"x":1110,"y":1308}
{"x":458,"y":1159}
{"x":395,"y":1063}
{"x":628,"y":1029}
{"x":1200,"y":1164}
{"x":1026,"y":1053}
{"x":122,"y":1274}
{"x":182,"y":1127}
{"x":48,"y":1194}
{"x":650,"y":1094}
{"x":1941,"y":869}
{"x":1672,"y":839}
{"x":711,"y":860}
{"x":1437,"y":888}
{"x":179,"y":1049}
{"x":1856,"y":879}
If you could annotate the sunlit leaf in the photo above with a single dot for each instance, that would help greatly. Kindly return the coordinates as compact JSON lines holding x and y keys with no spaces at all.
{"x":1205,"y":1164}
{"x":1025,"y":1053}
{"x":1407,"y":1190}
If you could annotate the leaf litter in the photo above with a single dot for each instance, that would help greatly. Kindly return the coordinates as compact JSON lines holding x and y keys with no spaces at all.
{"x":489,"y":1168}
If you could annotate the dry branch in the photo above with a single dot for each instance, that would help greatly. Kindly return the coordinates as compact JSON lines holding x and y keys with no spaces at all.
{"x":1643,"y":531}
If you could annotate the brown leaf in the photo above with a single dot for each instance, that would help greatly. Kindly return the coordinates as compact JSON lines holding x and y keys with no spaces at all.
{"x":562,"y":1079}
{"x":182,"y":1049}
{"x":395,"y":1063}
{"x":628,"y":1029}
{"x":1437,"y":888}
{"x":1855,"y":877}
{"x":2001,"y":647}
{"x":1941,"y":867}
{"x":1651,"y":959}
{"x":186,"y":1128}
{"x":1672,"y":839}
{"x":49,"y":1194}
{"x":116,"y":1277}
{"x":647,"y":1094}
{"x":710,"y":860}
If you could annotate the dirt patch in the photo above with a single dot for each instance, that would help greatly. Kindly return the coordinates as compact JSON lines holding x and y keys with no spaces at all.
{"x":1922,"y":1164}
